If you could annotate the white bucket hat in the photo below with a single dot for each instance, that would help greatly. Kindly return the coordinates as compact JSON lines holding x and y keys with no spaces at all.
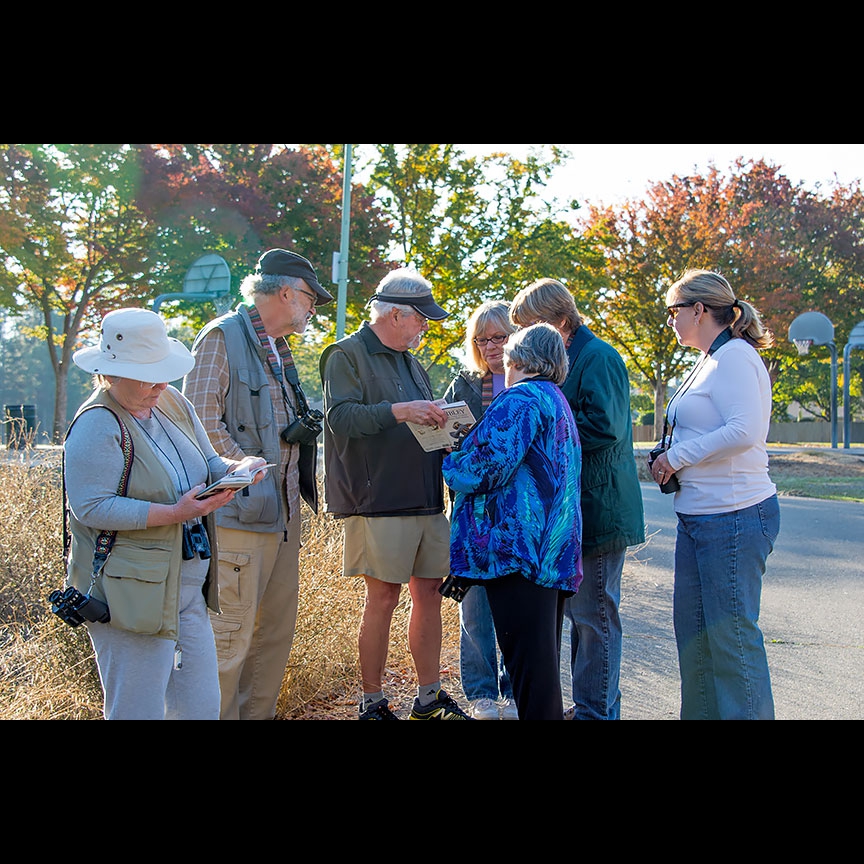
{"x":135,"y":344}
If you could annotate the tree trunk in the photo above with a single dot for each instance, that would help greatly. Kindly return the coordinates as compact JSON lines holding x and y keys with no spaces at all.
{"x":61,"y":399}
{"x":659,"y":408}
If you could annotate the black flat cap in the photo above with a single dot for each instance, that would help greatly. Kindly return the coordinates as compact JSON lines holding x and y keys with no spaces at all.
{"x":281,"y":262}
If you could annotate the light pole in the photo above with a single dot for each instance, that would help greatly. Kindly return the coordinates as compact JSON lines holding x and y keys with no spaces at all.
{"x":856,"y":340}
{"x":814,"y":328}
{"x":340,"y":258}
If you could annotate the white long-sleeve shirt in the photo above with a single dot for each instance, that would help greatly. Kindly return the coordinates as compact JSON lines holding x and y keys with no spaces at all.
{"x":721,"y":425}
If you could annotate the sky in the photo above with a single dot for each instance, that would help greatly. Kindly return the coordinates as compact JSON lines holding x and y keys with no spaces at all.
{"x":611,"y":173}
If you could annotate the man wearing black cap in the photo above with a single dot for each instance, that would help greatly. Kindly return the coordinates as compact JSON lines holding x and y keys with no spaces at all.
{"x":387,"y":489}
{"x":247,"y":393}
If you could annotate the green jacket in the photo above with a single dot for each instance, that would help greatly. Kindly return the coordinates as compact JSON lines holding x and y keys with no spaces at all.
{"x":598,"y":390}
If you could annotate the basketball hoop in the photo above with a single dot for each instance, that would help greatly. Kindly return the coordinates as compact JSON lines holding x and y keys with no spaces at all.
{"x":803,"y":346}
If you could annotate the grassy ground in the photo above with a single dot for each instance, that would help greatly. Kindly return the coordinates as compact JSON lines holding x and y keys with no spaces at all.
{"x":814,"y":473}
{"x":808,"y":472}
{"x":47,"y":669}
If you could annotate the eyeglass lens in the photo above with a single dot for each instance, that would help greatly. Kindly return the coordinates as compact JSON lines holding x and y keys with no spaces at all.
{"x":672,"y":311}
{"x":497,"y":340}
{"x":312,"y":297}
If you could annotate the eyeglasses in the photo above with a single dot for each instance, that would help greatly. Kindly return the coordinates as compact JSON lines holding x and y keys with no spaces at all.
{"x":672,"y":311}
{"x":418,"y":315}
{"x":495,"y":340}
{"x":312,"y":297}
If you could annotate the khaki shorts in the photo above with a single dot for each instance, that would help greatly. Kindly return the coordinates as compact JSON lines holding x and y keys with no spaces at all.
{"x":395,"y":548}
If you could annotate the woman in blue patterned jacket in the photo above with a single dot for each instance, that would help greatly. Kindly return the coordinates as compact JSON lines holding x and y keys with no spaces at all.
{"x":516,"y":524}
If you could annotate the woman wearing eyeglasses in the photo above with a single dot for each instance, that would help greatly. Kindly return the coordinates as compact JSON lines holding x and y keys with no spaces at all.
{"x":485,"y":680}
{"x":728,"y":512}
{"x":140,"y":541}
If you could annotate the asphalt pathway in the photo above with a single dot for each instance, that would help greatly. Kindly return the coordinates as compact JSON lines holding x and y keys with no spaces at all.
{"x":812,"y":614}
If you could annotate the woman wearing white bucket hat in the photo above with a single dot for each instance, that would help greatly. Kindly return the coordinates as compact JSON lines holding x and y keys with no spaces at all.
{"x":133,"y":471}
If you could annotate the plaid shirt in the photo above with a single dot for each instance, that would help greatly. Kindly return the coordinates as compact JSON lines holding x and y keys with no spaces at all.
{"x":205,"y":386}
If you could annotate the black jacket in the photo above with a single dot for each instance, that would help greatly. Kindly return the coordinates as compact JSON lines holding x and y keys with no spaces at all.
{"x":373,"y":466}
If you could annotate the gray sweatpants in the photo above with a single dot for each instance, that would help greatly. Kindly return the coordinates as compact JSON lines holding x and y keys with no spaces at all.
{"x":138,"y":673}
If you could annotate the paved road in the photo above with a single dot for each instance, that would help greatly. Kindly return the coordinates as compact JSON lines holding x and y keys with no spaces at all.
{"x":812,"y":614}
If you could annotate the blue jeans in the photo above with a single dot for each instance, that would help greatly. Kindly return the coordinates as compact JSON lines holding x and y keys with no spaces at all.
{"x":719,"y":565}
{"x":596,"y":637}
{"x":482,"y":669}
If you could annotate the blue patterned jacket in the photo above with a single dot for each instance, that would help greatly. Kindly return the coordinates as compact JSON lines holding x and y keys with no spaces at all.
{"x":517,"y":480}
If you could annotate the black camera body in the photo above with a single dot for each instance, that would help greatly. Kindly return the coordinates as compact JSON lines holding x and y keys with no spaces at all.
{"x":672,"y":484}
{"x":305,"y":429}
{"x":195,"y":541}
{"x":75,"y":608}
{"x":454,"y":588}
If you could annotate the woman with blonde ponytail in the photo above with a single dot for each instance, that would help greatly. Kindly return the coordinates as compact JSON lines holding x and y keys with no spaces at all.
{"x":727,"y":506}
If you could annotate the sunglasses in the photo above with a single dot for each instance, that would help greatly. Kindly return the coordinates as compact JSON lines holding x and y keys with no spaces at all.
{"x":672,"y":311}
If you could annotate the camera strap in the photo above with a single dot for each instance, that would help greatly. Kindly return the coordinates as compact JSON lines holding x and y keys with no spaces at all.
{"x":105,"y":540}
{"x":284,"y":371}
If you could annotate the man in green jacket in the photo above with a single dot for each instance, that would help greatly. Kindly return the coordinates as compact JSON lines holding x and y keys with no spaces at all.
{"x":598,"y":390}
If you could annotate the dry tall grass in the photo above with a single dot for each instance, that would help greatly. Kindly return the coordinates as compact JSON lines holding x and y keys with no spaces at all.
{"x":47,"y":670}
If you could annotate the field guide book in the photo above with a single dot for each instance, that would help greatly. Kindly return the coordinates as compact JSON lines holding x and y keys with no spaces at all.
{"x":234,"y":480}
{"x":459,"y":419}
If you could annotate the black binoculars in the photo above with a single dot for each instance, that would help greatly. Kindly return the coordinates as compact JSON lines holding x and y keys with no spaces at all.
{"x":75,"y":608}
{"x":305,"y":429}
{"x":195,"y":541}
{"x":454,"y":588}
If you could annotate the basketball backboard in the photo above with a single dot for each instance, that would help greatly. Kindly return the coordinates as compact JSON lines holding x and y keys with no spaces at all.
{"x":208,"y":275}
{"x":208,"y":280}
{"x":813,"y":327}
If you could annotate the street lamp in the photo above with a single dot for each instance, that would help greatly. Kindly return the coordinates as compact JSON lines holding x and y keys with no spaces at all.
{"x":856,"y":340}
{"x":814,"y":328}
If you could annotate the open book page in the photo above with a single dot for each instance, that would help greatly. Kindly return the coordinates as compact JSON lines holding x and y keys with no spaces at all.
{"x":234,"y":480}
{"x":459,"y":419}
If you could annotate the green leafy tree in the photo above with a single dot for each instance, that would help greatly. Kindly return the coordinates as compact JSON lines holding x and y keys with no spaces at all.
{"x":74,"y":245}
{"x":85,"y":228}
{"x":783,"y":248}
{"x":477,"y":228}
{"x":237,"y":200}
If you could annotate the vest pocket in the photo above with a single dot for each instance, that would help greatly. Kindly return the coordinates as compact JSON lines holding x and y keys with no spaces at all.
{"x":134,"y":582}
{"x":258,"y":503}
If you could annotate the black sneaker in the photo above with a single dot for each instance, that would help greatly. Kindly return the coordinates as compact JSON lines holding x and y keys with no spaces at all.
{"x":443,"y":708}
{"x":378,"y":711}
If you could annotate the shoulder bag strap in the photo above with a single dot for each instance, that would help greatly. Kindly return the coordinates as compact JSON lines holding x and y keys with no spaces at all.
{"x":105,"y":540}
